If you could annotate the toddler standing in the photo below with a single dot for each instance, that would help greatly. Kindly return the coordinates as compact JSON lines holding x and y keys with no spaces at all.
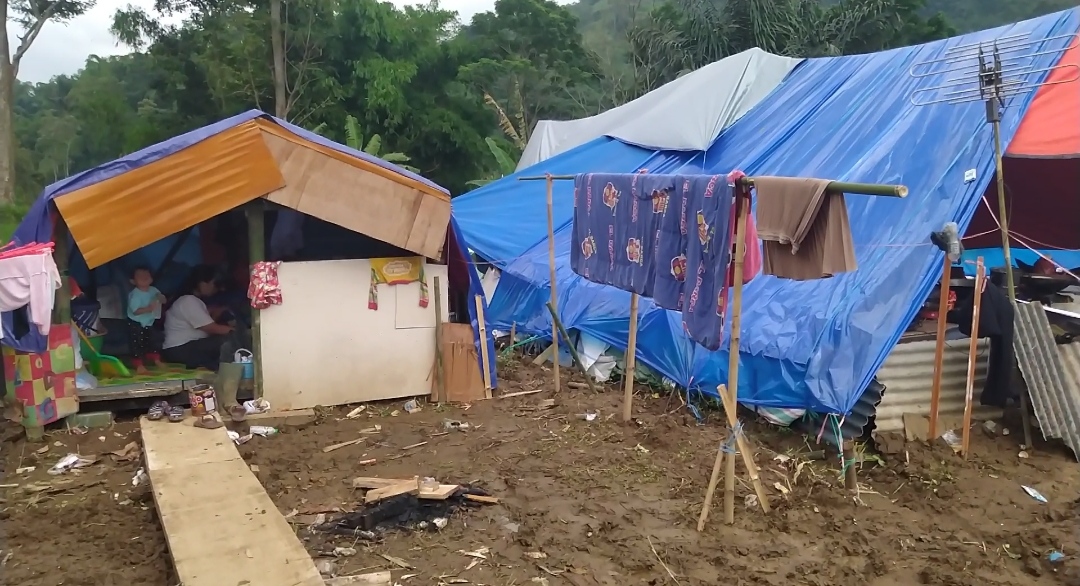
{"x":144,"y":306}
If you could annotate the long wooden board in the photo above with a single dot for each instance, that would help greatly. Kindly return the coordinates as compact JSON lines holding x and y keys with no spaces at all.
{"x":221,"y":526}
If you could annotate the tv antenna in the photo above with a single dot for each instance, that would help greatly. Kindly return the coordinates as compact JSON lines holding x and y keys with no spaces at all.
{"x":993,"y":72}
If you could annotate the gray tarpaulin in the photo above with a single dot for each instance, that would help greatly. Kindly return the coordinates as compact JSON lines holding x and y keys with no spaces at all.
{"x":686,"y":114}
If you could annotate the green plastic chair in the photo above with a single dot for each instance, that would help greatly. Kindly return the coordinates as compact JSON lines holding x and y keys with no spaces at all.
{"x":100,"y":365}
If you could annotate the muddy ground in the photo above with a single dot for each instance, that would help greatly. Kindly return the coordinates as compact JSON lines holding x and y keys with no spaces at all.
{"x":601,"y":502}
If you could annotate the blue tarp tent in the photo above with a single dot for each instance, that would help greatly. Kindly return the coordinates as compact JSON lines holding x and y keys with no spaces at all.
{"x":815,"y":344}
{"x":37,"y":226}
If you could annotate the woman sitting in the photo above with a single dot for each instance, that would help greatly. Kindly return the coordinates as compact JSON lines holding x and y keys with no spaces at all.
{"x":192,"y":337}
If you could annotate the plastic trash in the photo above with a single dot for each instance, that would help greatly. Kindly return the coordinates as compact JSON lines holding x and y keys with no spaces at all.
{"x":411,"y":406}
{"x":70,"y":462}
{"x":262,"y":430}
{"x":256,"y":406}
{"x":1034,"y":494}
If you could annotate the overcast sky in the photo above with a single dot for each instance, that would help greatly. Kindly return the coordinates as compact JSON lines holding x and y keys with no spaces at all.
{"x":61,"y":49}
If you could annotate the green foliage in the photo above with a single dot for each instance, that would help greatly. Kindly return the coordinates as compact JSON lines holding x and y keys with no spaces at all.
{"x":453,"y":101}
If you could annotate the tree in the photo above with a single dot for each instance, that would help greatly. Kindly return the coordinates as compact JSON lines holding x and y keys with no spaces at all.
{"x":684,"y":35}
{"x":29,"y":16}
{"x":504,"y":164}
{"x":354,"y":139}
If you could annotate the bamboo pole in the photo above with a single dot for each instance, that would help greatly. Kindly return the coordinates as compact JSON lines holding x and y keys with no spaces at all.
{"x":570,"y":346}
{"x":440,"y":368}
{"x":714,"y":477}
{"x":256,"y":253}
{"x":841,"y":186}
{"x":482,"y":326}
{"x":847,"y":453}
{"x":730,"y":395}
{"x":554,"y":300}
{"x":980,"y":283}
{"x":939,"y":350}
{"x":631,"y":361}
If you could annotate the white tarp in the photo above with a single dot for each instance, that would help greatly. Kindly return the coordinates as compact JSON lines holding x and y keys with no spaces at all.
{"x":686,"y":114}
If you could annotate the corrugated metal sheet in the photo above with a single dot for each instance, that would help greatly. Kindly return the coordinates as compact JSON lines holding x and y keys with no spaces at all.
{"x":908,"y":376}
{"x":1055,"y":393}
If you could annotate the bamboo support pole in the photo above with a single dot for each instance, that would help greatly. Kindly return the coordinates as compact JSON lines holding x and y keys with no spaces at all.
{"x":631,"y":361}
{"x":847,"y":453}
{"x":570,"y":346}
{"x":440,"y":368}
{"x":485,"y":359}
{"x":255,"y":213}
{"x":939,"y":349}
{"x":714,"y":477}
{"x":730,"y":395}
{"x":973,"y":356}
{"x":841,"y":186}
{"x":554,"y":299}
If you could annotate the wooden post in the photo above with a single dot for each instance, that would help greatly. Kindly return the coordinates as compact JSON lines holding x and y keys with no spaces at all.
{"x":61,"y":256}
{"x":730,"y":395}
{"x":939,"y":350}
{"x":714,"y":477}
{"x":256,"y":253}
{"x":631,"y":361}
{"x":513,"y":333}
{"x":973,"y":355}
{"x":440,"y":368}
{"x":570,"y":346}
{"x":554,"y":298}
{"x":484,"y":358}
{"x":847,"y":454}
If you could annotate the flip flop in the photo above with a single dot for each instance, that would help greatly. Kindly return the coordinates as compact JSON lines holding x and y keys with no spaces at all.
{"x":208,"y":422}
{"x":157,"y":411}
{"x":175,"y":414}
{"x":238,"y":413}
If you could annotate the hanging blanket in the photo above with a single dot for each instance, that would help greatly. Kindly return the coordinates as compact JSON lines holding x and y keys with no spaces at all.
{"x":667,"y":237}
{"x":396,"y":271}
{"x":264,"y":289}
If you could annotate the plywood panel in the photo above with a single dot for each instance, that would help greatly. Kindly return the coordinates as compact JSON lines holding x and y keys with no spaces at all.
{"x":170,"y":195}
{"x":221,"y":526}
{"x":364,"y":202}
{"x":323,"y":346}
{"x":408,"y":313}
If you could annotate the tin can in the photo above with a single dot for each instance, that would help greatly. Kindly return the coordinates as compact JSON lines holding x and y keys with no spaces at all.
{"x":203,"y":399}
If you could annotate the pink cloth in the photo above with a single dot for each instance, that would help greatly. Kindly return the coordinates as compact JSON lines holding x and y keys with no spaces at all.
{"x":753,"y":259}
{"x":30,"y":280}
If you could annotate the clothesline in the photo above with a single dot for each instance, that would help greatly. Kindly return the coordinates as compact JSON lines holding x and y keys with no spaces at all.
{"x":841,"y":186}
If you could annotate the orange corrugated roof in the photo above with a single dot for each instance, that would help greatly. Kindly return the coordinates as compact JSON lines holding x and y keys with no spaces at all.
{"x":1051,"y":127}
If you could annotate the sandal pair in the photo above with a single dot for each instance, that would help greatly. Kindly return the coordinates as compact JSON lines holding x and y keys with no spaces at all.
{"x":161,"y":409}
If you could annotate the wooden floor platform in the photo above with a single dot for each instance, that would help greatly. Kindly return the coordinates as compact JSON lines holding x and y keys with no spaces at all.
{"x":221,"y":526}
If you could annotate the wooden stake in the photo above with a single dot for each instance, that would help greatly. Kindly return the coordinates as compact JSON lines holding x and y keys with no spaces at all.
{"x":714,"y":478}
{"x":939,"y":350}
{"x":847,"y":452}
{"x":980,"y":284}
{"x":513,"y":333}
{"x":440,"y":372}
{"x":484,"y":358}
{"x":631,"y":361}
{"x":730,"y":395}
{"x":551,"y":266}
{"x":570,"y":346}
{"x":256,"y":253}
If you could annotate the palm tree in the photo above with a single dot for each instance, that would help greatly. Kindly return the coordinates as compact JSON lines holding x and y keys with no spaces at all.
{"x":684,"y":35}
{"x":354,"y":139}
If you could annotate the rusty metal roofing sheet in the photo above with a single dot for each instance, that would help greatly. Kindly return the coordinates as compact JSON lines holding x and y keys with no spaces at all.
{"x":1052,"y":374}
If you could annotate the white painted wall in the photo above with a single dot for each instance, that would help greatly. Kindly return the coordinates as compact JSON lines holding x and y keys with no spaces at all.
{"x":323,"y":346}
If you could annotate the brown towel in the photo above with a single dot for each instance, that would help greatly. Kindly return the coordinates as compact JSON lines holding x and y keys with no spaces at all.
{"x":805,"y":228}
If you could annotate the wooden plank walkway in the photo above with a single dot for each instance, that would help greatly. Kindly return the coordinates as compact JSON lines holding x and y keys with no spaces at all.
{"x":221,"y":526}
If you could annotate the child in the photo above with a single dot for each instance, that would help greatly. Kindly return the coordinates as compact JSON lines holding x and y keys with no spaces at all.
{"x":144,"y":306}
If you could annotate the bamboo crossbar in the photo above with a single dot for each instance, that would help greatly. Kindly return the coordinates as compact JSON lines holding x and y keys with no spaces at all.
{"x":841,"y":186}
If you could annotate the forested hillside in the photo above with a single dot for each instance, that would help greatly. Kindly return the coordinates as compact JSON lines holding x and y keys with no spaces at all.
{"x":454,"y":100}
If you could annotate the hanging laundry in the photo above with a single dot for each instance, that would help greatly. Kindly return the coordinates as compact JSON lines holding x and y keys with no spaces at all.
{"x":615,"y":228}
{"x":29,"y":279}
{"x":804,"y":227}
{"x":264,"y":288}
{"x":687,"y":220}
{"x":396,"y":271}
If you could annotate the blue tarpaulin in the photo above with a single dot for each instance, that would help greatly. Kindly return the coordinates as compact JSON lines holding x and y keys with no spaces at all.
{"x":37,"y":225}
{"x":810,"y":344}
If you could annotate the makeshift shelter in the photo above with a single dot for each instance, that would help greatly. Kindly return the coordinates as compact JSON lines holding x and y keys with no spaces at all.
{"x":328,"y":342}
{"x":806,"y":345}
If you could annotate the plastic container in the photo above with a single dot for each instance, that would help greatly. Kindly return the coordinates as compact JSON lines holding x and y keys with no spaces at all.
{"x":245,"y":357}
{"x":203,"y":399}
